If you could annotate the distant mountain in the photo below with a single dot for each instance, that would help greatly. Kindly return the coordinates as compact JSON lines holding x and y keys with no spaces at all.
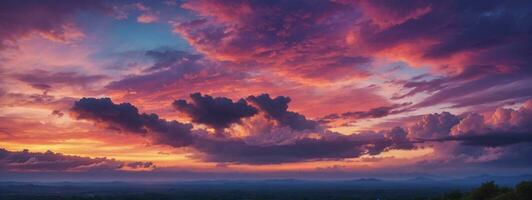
{"x":501,"y":180}
{"x":368,"y":180}
{"x":422,"y":179}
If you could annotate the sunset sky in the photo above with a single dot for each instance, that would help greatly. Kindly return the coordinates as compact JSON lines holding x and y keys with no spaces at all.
{"x":309,"y":88}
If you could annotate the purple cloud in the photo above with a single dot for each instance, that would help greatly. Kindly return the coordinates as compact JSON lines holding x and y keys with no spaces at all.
{"x":219,"y":112}
{"x":50,"y":161}
{"x":296,"y":147}
{"x":53,"y":20}
{"x":277,"y":109}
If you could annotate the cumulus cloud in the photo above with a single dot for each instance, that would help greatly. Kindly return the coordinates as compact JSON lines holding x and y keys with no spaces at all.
{"x":327,"y":146}
{"x":433,"y":125}
{"x":126,"y":117}
{"x":50,"y":161}
{"x":499,"y":138}
{"x":298,"y":144}
{"x":219,"y":112}
{"x":470,"y":136}
{"x":277,"y":109}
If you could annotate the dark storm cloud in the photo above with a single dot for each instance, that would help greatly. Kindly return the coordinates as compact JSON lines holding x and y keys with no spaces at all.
{"x":50,"y":161}
{"x":277,"y":109}
{"x":296,"y":147}
{"x":219,"y":112}
{"x":52,"y":18}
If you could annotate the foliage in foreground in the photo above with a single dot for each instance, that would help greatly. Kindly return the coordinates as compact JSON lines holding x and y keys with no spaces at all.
{"x":491,"y":191}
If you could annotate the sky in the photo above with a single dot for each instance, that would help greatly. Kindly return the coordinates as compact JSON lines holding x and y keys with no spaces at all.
{"x":308,"y":89}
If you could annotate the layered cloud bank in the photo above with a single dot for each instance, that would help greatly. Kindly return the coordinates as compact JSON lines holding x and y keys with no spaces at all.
{"x":269,"y":133}
{"x":275,"y":136}
{"x":49,"y":161}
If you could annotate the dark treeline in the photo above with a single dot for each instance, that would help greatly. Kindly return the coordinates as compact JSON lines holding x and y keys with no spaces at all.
{"x":486,"y":191}
{"x":491,"y":191}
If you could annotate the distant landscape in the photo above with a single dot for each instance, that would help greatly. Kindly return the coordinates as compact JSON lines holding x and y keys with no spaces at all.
{"x":471,"y":188}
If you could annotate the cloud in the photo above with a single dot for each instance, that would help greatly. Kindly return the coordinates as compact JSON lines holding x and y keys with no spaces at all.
{"x":498,"y":138}
{"x":36,"y":100}
{"x":172,"y":69}
{"x":139,"y":165}
{"x":332,"y":40}
{"x":433,"y":125}
{"x":126,"y":118}
{"x":53,"y":20}
{"x":45,"y":80}
{"x":474,"y":85}
{"x":277,"y":109}
{"x":300,"y":143}
{"x":377,"y":112}
{"x":50,"y":161}
{"x":472,"y":122}
{"x":302,"y":39}
{"x":147,"y":18}
{"x":330,"y":146}
{"x":453,"y":137}
{"x":147,"y":14}
{"x":123,"y":116}
{"x":57,"y":113}
{"x":490,"y":139}
{"x":219,"y":112}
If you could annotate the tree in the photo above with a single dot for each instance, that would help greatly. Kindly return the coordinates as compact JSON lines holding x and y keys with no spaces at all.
{"x":485,"y":191}
{"x":524,"y":190}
